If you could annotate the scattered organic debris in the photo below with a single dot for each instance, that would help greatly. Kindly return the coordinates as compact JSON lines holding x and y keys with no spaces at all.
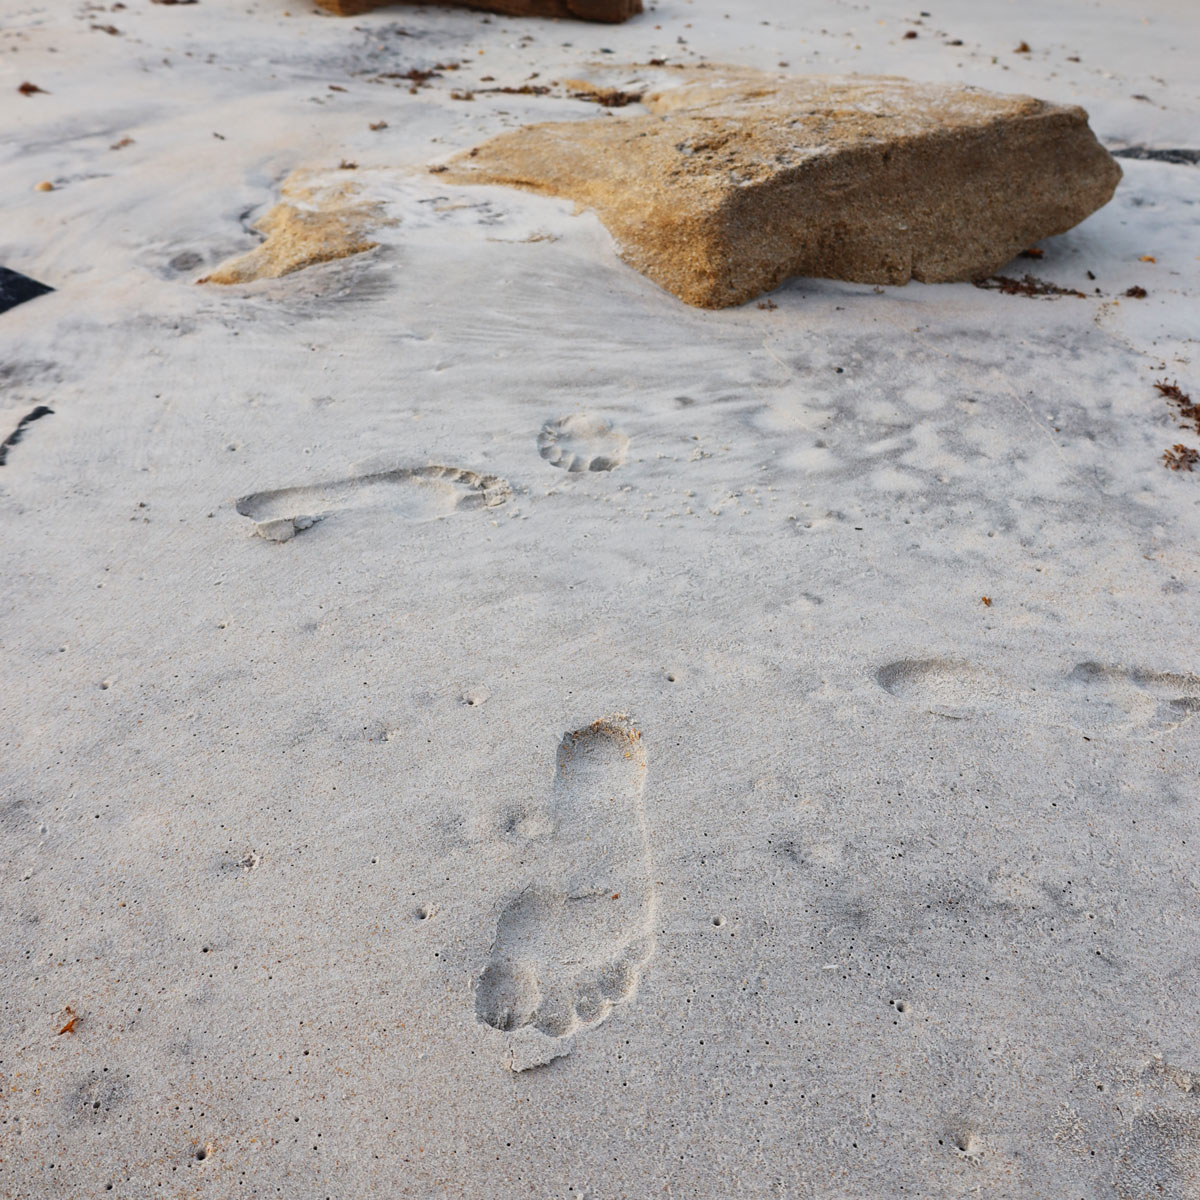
{"x":1033,"y":252}
{"x":910,"y":34}
{"x":607,"y":97}
{"x":72,"y":1018}
{"x":1188,"y":411}
{"x":112,"y":30}
{"x":1029,"y":285}
{"x":376,"y":126}
{"x":1023,"y":48}
{"x":347,"y":165}
{"x":769,"y":305}
{"x":1180,"y":457}
{"x":29,"y":89}
{"x":173,"y":1}
{"x":526,"y":89}
{"x":460,"y":94}
{"x":122,"y":143}
{"x":986,"y":601}
{"x":1136,"y":293}
{"x":1148,"y":258}
{"x":416,"y":77}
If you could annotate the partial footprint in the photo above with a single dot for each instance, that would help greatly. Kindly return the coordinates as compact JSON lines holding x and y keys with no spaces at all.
{"x":413,"y":493}
{"x":1131,"y":698}
{"x":942,"y":686}
{"x":574,"y":941}
{"x":582,"y":443}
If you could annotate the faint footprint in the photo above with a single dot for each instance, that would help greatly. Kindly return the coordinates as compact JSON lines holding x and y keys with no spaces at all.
{"x":1130,"y":697}
{"x":414,"y":493}
{"x":573,"y":942}
{"x":942,"y":686}
{"x":582,"y":443}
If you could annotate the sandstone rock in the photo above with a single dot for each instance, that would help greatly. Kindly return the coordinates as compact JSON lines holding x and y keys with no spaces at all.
{"x":586,"y":10}
{"x":734,"y":180}
{"x":316,"y":222}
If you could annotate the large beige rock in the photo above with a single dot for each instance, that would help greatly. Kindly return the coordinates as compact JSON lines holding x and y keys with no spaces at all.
{"x":734,"y":180}
{"x":586,"y":10}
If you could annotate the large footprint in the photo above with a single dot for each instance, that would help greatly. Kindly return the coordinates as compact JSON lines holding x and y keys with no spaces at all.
{"x":574,"y":941}
{"x":413,"y":493}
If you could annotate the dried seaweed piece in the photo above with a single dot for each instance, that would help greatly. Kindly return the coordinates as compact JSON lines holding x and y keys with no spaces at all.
{"x":1180,"y":457}
{"x":1136,"y":293}
{"x":29,"y":89}
{"x":607,"y":97}
{"x":1028,"y":285}
{"x":1183,"y":402}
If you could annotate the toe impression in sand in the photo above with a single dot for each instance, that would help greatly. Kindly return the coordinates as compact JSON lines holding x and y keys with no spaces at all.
{"x":729,"y":181}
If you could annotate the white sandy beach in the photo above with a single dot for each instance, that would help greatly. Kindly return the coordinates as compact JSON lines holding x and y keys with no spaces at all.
{"x":862,"y":887}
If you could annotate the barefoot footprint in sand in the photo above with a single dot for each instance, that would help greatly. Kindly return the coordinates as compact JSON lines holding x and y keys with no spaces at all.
{"x":582,"y":443}
{"x":573,"y":942}
{"x":412,"y":493}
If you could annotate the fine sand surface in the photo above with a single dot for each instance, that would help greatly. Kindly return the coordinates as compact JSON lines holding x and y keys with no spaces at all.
{"x":604,"y":776}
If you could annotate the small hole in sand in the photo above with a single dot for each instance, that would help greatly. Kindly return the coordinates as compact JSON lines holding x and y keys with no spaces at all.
{"x":901,"y":1006}
{"x":424,"y":912}
{"x":201,"y":1154}
{"x":670,"y":678}
{"x":718,"y":921}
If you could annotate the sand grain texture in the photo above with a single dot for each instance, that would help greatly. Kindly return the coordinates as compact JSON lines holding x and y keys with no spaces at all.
{"x":306,"y":895}
{"x":736,"y":180}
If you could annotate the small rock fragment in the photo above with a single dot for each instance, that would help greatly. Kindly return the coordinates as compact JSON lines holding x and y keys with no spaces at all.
{"x":316,"y":222}
{"x":611,"y":11}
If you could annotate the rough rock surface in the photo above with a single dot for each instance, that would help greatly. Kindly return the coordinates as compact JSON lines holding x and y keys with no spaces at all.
{"x":587,"y":10}
{"x":316,"y":222}
{"x":735,"y":180}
